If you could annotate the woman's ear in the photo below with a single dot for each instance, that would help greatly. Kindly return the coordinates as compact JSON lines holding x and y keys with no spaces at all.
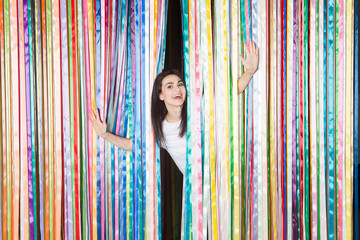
{"x":161,"y":97}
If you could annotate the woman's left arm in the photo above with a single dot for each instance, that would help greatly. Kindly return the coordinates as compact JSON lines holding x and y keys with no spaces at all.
{"x":251,"y":64}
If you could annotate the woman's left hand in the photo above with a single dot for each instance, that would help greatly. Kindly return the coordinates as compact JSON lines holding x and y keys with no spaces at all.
{"x":252,"y":57}
{"x":97,"y":124}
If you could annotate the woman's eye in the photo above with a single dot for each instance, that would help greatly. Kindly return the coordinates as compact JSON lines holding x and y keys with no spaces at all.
{"x":169,"y":86}
{"x":181,"y":84}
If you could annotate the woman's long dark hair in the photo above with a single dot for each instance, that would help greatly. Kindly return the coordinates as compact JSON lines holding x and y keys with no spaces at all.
{"x":158,"y":108}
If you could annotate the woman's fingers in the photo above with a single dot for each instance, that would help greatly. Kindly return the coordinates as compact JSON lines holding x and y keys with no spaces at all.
{"x":252,"y":47}
{"x":246,"y":49}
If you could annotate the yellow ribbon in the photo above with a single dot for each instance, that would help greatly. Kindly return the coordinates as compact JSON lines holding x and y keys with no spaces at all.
{"x":272,"y":115}
{"x":211,"y":111}
{"x":349,"y":36}
{"x":235,"y":74}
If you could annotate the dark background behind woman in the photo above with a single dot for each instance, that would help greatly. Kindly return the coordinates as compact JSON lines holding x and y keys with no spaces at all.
{"x":171,"y":177}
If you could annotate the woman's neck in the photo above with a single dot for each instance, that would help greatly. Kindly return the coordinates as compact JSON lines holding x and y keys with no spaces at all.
{"x":173,"y":114}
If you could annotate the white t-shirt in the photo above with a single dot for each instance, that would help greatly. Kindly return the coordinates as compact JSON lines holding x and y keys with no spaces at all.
{"x":175,"y":145}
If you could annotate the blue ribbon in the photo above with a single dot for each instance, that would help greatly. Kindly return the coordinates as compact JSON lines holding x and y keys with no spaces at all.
{"x":243,"y":26}
{"x":356,"y":124}
{"x":138,"y":127}
{"x":142,"y":163}
{"x":158,"y":172}
{"x":249,"y":6}
{"x":331,"y":117}
{"x":124,"y":117}
{"x":325,"y":96}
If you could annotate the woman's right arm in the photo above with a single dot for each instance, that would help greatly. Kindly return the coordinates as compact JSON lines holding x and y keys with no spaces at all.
{"x":100,"y":129}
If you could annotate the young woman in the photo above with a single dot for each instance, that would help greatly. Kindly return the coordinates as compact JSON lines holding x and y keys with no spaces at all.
{"x":169,"y":112}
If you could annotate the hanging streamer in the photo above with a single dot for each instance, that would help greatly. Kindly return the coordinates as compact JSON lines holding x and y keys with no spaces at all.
{"x":356,"y":120}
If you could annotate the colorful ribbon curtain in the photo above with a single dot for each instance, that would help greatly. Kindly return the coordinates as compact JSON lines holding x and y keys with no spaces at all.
{"x":59,"y":61}
{"x":278,"y":161}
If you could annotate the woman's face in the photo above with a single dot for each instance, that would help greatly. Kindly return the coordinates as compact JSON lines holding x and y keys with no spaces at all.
{"x":173,"y":91}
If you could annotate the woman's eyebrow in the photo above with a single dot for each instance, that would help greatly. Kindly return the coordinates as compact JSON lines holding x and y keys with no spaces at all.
{"x":169,"y":83}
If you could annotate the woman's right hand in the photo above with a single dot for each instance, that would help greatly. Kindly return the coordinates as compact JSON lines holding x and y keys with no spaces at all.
{"x":97,"y":124}
{"x":251,"y":61}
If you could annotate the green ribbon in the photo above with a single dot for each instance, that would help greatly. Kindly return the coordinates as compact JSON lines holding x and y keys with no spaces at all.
{"x":306,"y":116}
